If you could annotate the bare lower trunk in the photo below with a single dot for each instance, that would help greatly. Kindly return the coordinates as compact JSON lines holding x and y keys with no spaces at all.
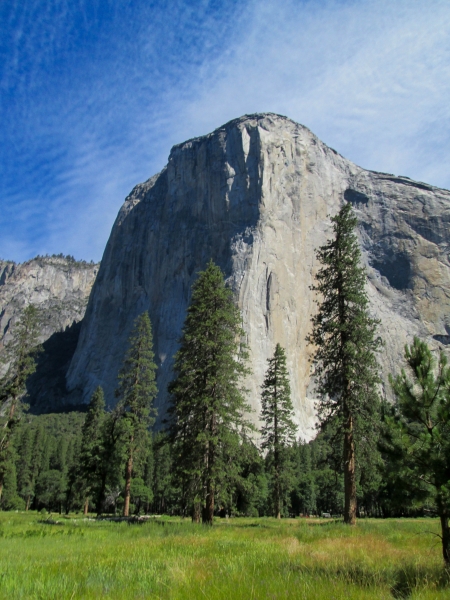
{"x":128,"y":471}
{"x":101,"y":495}
{"x":349,"y":474}
{"x":210,"y":456}
{"x":445,"y":532}
{"x":86,"y":507}
{"x":277,"y":496}
{"x":276,"y":456}
{"x":208,"y":515}
{"x":28,"y":503}
{"x":1,"y":489}
{"x":196,"y":512}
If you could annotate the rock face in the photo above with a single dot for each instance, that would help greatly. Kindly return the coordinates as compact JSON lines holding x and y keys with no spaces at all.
{"x":59,"y":287}
{"x":255,"y":196}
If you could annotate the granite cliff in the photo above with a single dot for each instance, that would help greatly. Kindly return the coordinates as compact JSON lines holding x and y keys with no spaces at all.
{"x":59,"y":287}
{"x":255,"y":196}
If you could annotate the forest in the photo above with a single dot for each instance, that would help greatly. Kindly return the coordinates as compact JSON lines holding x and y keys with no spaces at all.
{"x":44,"y":475}
{"x":370,"y":458}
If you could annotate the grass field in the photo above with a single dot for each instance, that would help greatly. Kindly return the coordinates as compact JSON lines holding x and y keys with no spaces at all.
{"x":243,"y":558}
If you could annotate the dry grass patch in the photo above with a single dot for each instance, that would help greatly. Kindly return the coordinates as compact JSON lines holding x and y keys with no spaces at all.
{"x":374,"y":549}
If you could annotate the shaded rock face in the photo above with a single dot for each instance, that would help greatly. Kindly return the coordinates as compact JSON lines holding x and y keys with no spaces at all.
{"x":59,"y":288}
{"x":255,"y":196}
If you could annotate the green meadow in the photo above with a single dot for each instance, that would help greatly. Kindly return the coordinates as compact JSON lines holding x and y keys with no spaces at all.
{"x":239,"y":558}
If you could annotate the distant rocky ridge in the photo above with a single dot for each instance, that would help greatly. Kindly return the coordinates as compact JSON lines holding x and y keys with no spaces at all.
{"x":255,"y":196}
{"x":59,"y":287}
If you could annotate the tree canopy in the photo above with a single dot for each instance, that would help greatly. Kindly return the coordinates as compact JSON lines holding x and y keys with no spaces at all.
{"x":417,"y":434}
{"x":208,"y":399}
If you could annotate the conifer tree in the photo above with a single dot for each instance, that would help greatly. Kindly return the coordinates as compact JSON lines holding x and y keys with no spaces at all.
{"x":89,"y":459}
{"x":304,"y":494}
{"x":208,"y":402}
{"x":417,"y":436}
{"x":10,"y":499}
{"x":162,"y":480}
{"x":111,"y":457}
{"x":24,"y":467}
{"x":20,"y":354}
{"x":345,"y":338}
{"x":37,"y":462}
{"x":278,"y":431}
{"x":136,"y":392}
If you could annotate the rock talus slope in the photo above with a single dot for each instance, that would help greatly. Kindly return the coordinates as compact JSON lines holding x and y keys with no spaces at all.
{"x":59,"y":287}
{"x":255,"y":196}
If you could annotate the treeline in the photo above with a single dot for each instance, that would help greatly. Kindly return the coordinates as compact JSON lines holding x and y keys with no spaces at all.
{"x":46,"y":473}
{"x":69,"y":258}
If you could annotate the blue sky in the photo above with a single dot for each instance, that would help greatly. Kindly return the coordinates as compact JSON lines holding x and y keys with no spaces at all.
{"x":93,"y":94}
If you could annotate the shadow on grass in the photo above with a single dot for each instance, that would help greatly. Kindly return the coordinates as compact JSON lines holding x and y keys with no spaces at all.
{"x":402,"y":581}
{"x":328,"y":523}
{"x":252,"y":526}
{"x":410,"y":578}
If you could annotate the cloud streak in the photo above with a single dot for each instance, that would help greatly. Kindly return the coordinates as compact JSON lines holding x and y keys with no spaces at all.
{"x":94,"y":94}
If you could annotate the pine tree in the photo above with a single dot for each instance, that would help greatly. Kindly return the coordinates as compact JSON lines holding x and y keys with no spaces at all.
{"x":10,"y":499}
{"x":112,"y":456}
{"x":162,"y":480}
{"x":89,"y":460}
{"x":24,"y":466}
{"x":37,"y":462}
{"x":345,"y":338}
{"x":20,"y":354}
{"x":136,"y":392}
{"x":417,"y":436}
{"x":303,"y":496}
{"x":278,"y":431}
{"x":208,"y":402}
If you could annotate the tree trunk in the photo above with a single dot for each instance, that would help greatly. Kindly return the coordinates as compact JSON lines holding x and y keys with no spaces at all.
{"x":196,"y":512}
{"x":276,"y":460}
{"x":28,"y":503}
{"x":349,"y":473}
{"x":277,"y":507}
{"x":101,"y":495}
{"x":445,"y":538}
{"x":128,"y":471}
{"x":208,"y":515}
{"x":208,"y":512}
{"x":86,"y":507}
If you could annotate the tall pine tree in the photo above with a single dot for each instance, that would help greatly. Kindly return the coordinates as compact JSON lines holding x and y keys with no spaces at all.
{"x":278,"y":431}
{"x":345,"y":338}
{"x":136,"y":392}
{"x":208,"y":401}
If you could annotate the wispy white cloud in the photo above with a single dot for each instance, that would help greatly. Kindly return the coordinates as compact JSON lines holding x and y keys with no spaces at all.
{"x":96,"y":93}
{"x":371,"y":78}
